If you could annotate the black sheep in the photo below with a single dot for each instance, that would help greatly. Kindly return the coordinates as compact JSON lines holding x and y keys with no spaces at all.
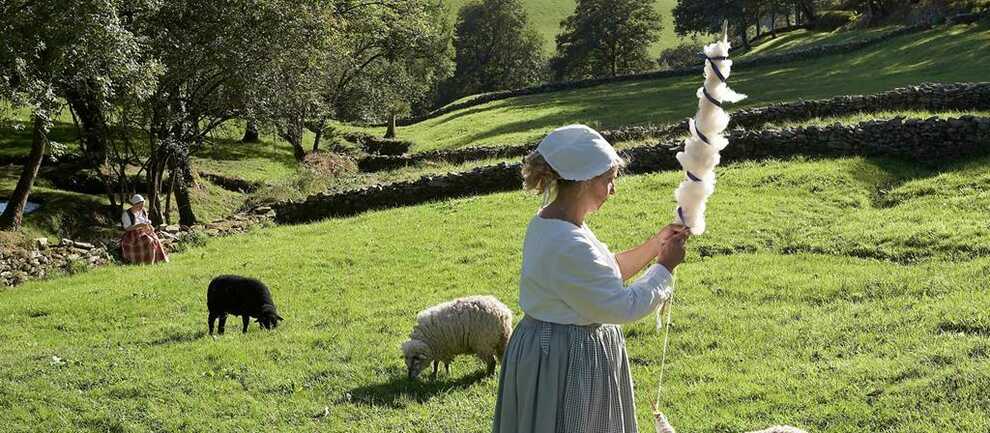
{"x":240,"y":296}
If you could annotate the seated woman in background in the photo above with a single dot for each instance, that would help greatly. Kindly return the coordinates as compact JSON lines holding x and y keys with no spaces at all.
{"x":140,"y":244}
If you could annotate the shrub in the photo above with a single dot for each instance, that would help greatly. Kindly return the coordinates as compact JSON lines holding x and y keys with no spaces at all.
{"x":830,"y":20}
{"x":387,"y":146}
{"x":682,"y":56}
{"x":377,"y":145}
{"x":329,"y":164}
{"x":188,"y":240}
{"x":319,"y":171}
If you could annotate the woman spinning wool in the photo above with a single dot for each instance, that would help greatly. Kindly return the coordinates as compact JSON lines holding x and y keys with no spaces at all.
{"x":140,"y":244}
{"x":566,"y":368}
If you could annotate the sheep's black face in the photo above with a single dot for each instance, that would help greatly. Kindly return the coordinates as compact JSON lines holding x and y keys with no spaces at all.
{"x":269,"y":318}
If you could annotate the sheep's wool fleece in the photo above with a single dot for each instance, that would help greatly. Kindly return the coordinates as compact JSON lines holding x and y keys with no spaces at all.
{"x":463,"y":325}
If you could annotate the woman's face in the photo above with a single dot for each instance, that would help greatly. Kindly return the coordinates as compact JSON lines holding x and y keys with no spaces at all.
{"x":139,"y":206}
{"x":599,"y":188}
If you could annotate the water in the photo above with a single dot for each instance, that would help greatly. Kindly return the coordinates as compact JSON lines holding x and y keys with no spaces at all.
{"x":30,"y":207}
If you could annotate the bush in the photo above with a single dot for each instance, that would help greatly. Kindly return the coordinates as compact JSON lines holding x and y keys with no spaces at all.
{"x":189,"y":240}
{"x":387,"y":146}
{"x":682,"y":56}
{"x":329,"y":164}
{"x":830,"y":20}
{"x":319,"y":172}
{"x":377,"y":145}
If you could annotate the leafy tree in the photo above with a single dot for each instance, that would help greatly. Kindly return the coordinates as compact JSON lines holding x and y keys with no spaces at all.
{"x":706,"y":16}
{"x":370,"y":61}
{"x":85,"y":47}
{"x":605,"y":38}
{"x":496,"y":48}
{"x":400,"y":52}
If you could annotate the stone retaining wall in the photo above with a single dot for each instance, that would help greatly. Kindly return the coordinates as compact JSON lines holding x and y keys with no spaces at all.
{"x":44,"y":260}
{"x":18,"y":265}
{"x":930,"y":142}
{"x":926,"y":96}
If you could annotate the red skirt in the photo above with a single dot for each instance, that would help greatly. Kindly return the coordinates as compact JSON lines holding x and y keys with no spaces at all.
{"x":142,"y":246}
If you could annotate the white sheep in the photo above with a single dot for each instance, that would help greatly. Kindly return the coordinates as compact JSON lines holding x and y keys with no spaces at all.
{"x":476,"y":324}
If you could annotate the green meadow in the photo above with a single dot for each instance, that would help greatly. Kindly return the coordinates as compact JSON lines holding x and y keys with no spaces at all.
{"x":840,"y":295}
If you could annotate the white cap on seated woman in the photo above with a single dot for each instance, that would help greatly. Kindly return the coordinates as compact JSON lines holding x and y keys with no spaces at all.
{"x":136,"y":214}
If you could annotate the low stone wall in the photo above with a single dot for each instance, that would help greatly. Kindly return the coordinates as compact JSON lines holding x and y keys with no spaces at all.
{"x":930,"y":142}
{"x":926,"y":96}
{"x":48,"y":260}
{"x":373,"y":163}
{"x":68,"y":256}
{"x":231,"y":183}
{"x":482,"y":180}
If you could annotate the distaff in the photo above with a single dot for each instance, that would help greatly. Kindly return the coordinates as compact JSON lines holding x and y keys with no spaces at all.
{"x":701,"y":148}
{"x":699,"y":158}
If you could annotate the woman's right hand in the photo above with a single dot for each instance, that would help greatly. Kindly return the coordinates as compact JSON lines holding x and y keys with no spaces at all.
{"x":672,"y":248}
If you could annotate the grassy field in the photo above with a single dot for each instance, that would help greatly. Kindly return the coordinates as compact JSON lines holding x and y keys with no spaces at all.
{"x":944,"y":54}
{"x":546,"y":15}
{"x":837,"y":295}
{"x":803,"y":38}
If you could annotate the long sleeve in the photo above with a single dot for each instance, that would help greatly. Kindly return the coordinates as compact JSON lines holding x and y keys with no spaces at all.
{"x":589,"y":285}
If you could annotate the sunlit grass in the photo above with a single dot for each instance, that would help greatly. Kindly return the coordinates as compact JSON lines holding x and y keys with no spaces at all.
{"x":835,"y":295}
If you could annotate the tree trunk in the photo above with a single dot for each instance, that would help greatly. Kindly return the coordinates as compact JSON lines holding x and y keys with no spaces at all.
{"x":293,"y":133}
{"x":773,"y":24}
{"x":185,"y":180}
{"x":743,"y":33}
{"x":14,"y":213}
{"x":318,"y":134}
{"x":251,"y":132}
{"x":390,"y":132}
{"x":95,"y":135}
{"x":808,"y":9}
{"x":156,"y":167}
{"x":168,"y":197}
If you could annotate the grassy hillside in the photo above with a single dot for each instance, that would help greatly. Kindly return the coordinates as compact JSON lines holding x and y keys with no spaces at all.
{"x":839,"y":296}
{"x":803,"y":38}
{"x":943,"y":54}
{"x":545,"y":15}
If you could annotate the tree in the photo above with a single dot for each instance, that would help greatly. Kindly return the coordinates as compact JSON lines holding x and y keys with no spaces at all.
{"x":706,"y":16}
{"x":414,"y":53}
{"x":216,"y":56}
{"x":372,"y":61}
{"x":605,"y":38}
{"x":84,"y":48}
{"x":876,"y":9}
{"x":496,"y":48}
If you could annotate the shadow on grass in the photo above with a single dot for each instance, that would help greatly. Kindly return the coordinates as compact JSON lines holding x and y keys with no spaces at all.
{"x":399,"y":388}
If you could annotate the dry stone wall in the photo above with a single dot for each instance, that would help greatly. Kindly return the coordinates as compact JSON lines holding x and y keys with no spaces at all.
{"x":930,"y":141}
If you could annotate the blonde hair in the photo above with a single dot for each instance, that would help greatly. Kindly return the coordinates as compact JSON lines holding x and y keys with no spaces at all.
{"x":540,"y":178}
